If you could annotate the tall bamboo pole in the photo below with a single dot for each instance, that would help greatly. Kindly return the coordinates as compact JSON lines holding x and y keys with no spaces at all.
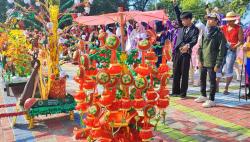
{"x":122,"y":24}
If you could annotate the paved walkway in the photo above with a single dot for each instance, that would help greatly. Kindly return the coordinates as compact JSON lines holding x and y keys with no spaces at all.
{"x":186,"y":121}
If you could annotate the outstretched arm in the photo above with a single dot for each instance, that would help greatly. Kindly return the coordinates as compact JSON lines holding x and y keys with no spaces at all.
{"x":178,"y":13}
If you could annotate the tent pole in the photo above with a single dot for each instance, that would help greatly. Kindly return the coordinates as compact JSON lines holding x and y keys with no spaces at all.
{"x":122,"y":24}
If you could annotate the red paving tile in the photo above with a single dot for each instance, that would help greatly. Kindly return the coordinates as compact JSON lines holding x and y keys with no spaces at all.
{"x":239,"y":116}
{"x":246,"y":140}
{"x":6,"y":132}
{"x":43,"y":136}
{"x":229,"y":114}
{"x":210,"y":130}
{"x":64,"y":138}
{"x":161,"y":137}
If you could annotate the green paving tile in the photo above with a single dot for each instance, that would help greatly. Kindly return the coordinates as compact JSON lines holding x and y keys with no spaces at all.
{"x":166,"y":130}
{"x":186,"y":139}
{"x":234,"y":88}
{"x":173,"y":133}
{"x":212,"y":119}
{"x":161,"y":128}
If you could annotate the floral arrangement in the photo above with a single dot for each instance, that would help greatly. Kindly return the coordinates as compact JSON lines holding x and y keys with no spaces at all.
{"x":17,"y":52}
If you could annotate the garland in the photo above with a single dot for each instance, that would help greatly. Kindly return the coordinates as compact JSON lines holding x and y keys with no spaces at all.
{"x":156,"y":46}
{"x":53,"y":106}
{"x":65,"y":108}
{"x":106,"y":59}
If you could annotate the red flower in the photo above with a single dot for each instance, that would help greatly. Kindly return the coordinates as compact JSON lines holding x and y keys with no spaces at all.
{"x":146,"y":133}
{"x":107,"y":98}
{"x":139,"y":103}
{"x":126,"y":103}
{"x":163,"y":69}
{"x":144,"y":44}
{"x":91,"y":72}
{"x":82,"y":107}
{"x":89,"y":84}
{"x":115,"y":69}
{"x":163,"y":103}
{"x":163,"y":91}
{"x":116,"y":105}
{"x":151,"y":56}
{"x":143,"y":70}
{"x":80,"y":96}
{"x":151,"y":94}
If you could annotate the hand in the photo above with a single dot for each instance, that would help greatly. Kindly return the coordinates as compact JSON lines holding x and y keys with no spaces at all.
{"x":233,"y":48}
{"x":216,"y":69}
{"x":245,"y":48}
{"x":184,"y":49}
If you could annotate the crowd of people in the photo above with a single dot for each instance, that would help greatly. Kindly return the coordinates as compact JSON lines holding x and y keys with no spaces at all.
{"x":217,"y":53}
{"x":197,"y":49}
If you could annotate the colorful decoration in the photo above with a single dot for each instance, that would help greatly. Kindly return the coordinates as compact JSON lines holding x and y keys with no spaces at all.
{"x":50,"y":19}
{"x":114,"y":113}
{"x":112,"y":42}
{"x":17,"y":52}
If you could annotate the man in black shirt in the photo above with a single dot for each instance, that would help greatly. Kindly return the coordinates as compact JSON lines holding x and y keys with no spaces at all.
{"x":187,"y":37}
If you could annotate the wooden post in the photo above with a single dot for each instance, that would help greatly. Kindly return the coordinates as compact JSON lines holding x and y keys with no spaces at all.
{"x":122,"y":24}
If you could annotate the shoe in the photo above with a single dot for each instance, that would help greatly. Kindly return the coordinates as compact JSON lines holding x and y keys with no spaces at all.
{"x":209,"y":104}
{"x":201,"y":99}
{"x":174,"y":95}
{"x":245,"y":96}
{"x":183,"y":97}
{"x":226,"y":92}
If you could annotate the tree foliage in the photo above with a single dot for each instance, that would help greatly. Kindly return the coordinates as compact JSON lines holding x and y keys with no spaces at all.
{"x":140,"y":4}
{"x":107,"y":6}
{"x":238,"y":6}
{"x":197,"y":7}
{"x":167,"y":5}
{"x":3,"y":4}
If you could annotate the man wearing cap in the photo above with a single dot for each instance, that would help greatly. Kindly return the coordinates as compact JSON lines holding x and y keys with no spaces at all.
{"x":211,"y":55}
{"x":234,"y":36}
{"x":186,"y":38}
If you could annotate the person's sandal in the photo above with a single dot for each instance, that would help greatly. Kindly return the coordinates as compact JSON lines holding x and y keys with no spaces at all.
{"x":244,"y":96}
{"x":226,"y":92}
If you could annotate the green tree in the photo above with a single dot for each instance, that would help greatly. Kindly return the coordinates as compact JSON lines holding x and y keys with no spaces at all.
{"x":238,"y":6}
{"x":167,"y":5}
{"x":3,"y":4}
{"x":197,"y":7}
{"x":108,"y":6}
{"x":140,"y":4}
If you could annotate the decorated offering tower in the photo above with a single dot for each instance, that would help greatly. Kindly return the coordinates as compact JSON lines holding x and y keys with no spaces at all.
{"x":119,"y":101}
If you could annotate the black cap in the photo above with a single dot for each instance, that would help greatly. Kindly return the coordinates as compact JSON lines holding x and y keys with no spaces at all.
{"x":186,"y":15}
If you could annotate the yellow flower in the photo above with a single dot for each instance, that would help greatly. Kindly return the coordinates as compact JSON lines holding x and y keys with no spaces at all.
{"x":124,"y":57}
